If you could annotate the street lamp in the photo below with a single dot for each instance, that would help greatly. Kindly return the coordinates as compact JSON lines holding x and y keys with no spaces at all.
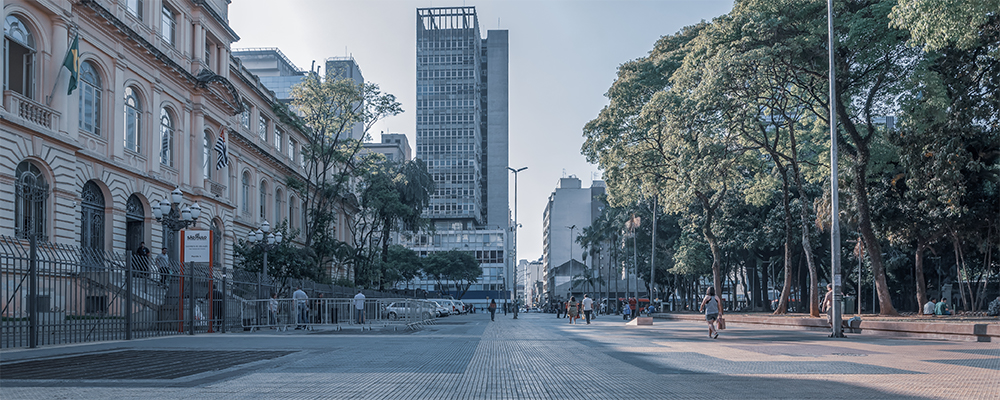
{"x":169,"y":213}
{"x":164,"y":213}
{"x":264,"y":240}
{"x":515,"y":171}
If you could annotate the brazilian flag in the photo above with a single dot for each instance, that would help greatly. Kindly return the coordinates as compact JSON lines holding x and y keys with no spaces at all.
{"x":72,"y":63}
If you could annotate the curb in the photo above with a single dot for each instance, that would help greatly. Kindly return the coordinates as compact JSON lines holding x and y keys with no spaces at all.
{"x":966,"y":332}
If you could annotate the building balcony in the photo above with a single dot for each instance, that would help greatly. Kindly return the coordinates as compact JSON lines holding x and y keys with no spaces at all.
{"x":30,"y":111}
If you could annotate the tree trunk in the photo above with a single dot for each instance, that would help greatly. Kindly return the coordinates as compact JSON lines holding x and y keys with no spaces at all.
{"x":786,"y":289}
{"x":918,"y":263}
{"x":872,"y":245}
{"x":804,"y":222}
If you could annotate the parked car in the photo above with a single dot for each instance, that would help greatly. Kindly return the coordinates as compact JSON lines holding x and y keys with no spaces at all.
{"x":403,"y":309}
{"x":452,"y":305}
{"x":442,"y":311}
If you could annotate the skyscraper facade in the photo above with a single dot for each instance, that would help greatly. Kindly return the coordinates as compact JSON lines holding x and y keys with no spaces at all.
{"x":461,"y":134}
{"x":462,"y":117}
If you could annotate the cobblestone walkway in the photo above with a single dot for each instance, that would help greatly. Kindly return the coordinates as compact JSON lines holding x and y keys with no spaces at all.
{"x":534,"y":357}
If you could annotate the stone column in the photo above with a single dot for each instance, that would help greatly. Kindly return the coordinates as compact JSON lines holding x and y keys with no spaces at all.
{"x":57,"y":88}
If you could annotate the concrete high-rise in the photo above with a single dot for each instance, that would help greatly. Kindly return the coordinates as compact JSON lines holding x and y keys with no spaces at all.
{"x":462,"y":117}
{"x":461,"y":133}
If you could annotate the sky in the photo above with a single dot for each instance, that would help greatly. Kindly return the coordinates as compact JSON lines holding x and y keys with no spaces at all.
{"x":564,"y":56}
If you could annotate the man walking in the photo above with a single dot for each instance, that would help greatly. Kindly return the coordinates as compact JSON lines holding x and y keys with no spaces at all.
{"x":301,"y":298}
{"x":163,"y":265}
{"x":359,"y":307}
{"x":588,"y":307}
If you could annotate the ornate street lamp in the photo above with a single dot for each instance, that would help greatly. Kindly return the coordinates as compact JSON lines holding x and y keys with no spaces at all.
{"x":184,"y":217}
{"x":263,"y":239}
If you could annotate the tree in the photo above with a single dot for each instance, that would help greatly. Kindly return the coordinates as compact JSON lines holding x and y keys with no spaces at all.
{"x":658,"y":136}
{"x":459,"y":267}
{"x":402,"y":265}
{"x":326,"y":110}
{"x":284,"y":261}
{"x":393,"y":196}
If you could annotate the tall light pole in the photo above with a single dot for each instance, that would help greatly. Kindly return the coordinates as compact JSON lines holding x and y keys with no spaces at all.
{"x":834,"y":184}
{"x":170,"y":214}
{"x":266,"y":241}
{"x":515,"y":171}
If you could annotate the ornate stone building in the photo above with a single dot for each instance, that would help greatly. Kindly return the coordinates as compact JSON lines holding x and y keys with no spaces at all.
{"x":157,"y":87}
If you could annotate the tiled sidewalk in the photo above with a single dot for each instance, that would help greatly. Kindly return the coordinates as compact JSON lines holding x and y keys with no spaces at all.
{"x":536,"y":356}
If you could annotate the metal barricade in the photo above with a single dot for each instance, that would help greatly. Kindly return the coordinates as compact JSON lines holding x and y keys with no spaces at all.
{"x":325,"y":313}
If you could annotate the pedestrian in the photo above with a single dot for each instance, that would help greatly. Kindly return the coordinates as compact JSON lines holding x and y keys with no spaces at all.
{"x":942,"y":307}
{"x":163,"y":265}
{"x":626,"y":312}
{"x":301,"y":304}
{"x":272,"y":310}
{"x":359,"y":307}
{"x":215,"y":297}
{"x":633,"y":305}
{"x":827,"y":304}
{"x":712,"y":311}
{"x":929,"y":307}
{"x":994,"y":308}
{"x":493,"y":309}
{"x":573,"y":309}
{"x":141,"y":260}
{"x":588,"y":307}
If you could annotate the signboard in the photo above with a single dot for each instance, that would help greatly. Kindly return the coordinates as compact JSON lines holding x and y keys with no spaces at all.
{"x":197,"y":245}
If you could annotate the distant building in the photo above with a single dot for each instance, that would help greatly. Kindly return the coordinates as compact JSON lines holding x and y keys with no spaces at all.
{"x":275,"y":71}
{"x":394,"y":146}
{"x":346,"y":68}
{"x":571,"y":208}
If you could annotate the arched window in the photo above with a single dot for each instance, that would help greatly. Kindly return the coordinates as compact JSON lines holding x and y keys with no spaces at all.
{"x":263,"y":200}
{"x":277,"y":206}
{"x":133,"y":119}
{"x":31,"y":193}
{"x":246,"y":193}
{"x":19,"y":55}
{"x":166,"y":138}
{"x":90,"y":99}
{"x":206,"y":154}
{"x":92,"y":217}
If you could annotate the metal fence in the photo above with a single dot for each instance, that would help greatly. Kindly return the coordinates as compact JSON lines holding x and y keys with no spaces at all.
{"x":57,"y":294}
{"x":311,"y":313}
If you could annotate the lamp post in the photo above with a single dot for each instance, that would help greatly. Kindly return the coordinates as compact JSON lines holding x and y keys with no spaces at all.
{"x":263,"y":239}
{"x":837,"y":332}
{"x":515,"y":171}
{"x":169,"y":213}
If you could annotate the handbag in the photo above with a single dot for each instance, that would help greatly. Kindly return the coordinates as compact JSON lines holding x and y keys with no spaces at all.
{"x":722,"y":323}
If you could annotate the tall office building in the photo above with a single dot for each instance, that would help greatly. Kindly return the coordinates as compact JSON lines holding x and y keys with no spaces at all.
{"x":346,"y":68}
{"x":462,"y":136}
{"x":462,"y":117}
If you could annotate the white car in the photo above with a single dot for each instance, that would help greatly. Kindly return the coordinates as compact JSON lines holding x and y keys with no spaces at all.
{"x":452,"y":305}
{"x":442,"y":311}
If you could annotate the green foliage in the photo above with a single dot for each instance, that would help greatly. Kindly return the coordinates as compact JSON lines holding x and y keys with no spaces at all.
{"x":285,"y":260}
{"x":936,"y":24}
{"x":460,"y":267}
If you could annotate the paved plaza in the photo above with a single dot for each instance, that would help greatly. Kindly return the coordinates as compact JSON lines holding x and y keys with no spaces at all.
{"x":534,"y":357}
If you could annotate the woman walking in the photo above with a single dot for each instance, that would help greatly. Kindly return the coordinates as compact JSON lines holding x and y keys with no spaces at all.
{"x":493,"y":309}
{"x":574,"y":310}
{"x":712,"y":311}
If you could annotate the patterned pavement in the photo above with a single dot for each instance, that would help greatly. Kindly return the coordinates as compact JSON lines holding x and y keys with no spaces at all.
{"x":534,"y":357}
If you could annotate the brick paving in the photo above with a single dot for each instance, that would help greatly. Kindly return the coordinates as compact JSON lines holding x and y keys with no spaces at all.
{"x":534,"y":357}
